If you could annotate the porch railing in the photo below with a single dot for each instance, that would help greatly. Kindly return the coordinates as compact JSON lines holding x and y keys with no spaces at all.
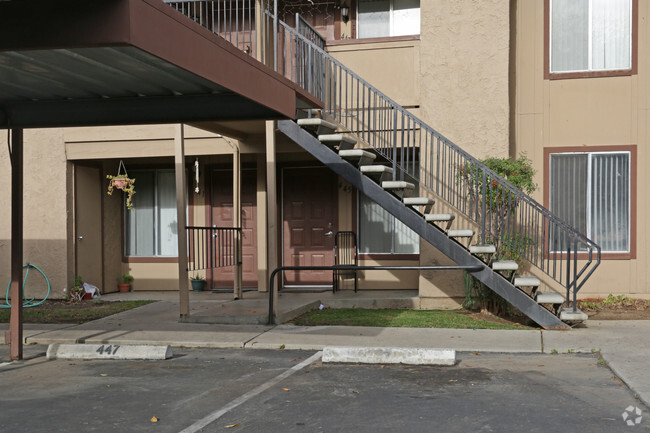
{"x":213,"y":247}
{"x":502,"y":213}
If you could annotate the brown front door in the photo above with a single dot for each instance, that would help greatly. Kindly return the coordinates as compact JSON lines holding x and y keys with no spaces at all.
{"x":222,"y":217}
{"x":88,"y":225}
{"x":309,"y":219}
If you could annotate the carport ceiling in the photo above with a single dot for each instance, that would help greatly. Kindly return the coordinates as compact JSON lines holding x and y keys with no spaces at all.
{"x":101,"y":62}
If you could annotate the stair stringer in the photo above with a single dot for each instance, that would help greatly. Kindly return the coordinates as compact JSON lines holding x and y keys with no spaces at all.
{"x":432,"y":234}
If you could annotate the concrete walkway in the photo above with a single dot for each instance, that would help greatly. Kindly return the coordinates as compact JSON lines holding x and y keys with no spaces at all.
{"x":625,"y":345}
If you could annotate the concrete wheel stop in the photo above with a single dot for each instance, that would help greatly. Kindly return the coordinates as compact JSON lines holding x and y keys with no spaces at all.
{"x":389,"y":355}
{"x":108,"y":351}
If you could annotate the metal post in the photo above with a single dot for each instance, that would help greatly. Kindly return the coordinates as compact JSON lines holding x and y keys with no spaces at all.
{"x":179,"y":163}
{"x":275,"y":35}
{"x":272,"y":199}
{"x":237,"y":222}
{"x":16,"y":320}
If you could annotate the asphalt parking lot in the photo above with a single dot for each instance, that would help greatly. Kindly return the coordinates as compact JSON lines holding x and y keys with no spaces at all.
{"x":215,"y":390}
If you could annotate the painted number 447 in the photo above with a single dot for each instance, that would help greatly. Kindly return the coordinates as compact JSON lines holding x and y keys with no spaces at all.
{"x":108,"y":350}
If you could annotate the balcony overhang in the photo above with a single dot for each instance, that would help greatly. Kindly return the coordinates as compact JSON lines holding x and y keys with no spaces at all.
{"x":107,"y":62}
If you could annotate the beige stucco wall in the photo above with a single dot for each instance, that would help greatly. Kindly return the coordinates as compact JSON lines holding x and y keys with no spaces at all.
{"x":47,"y":185}
{"x":464,"y":58}
{"x":585,"y":112}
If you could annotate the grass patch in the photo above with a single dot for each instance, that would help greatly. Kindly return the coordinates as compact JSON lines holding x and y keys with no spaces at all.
{"x":401,"y":319}
{"x":65,"y":312}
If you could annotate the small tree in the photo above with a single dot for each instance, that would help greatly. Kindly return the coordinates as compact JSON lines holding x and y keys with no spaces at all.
{"x":500,"y":217}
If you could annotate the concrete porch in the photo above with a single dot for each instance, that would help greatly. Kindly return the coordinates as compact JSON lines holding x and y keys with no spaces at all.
{"x":221,"y":308}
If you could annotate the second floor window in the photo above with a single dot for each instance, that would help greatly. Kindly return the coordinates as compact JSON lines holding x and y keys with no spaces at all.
{"x":590,"y":35}
{"x":383,"y":18}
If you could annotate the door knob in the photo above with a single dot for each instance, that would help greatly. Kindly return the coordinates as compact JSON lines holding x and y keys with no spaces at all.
{"x":329,"y":233}
{"x":80,"y":237}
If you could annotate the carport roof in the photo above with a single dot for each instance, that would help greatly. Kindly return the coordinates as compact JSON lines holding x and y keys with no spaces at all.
{"x":100,"y":62}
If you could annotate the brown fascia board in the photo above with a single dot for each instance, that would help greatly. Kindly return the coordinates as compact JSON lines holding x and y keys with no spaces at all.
{"x":154,"y":27}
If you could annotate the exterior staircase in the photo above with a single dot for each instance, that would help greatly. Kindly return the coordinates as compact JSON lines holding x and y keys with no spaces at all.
{"x":315,"y":136}
{"x":416,"y":174}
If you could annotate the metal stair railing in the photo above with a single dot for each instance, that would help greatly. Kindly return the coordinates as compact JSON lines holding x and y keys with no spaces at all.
{"x":418,"y":152}
{"x":502,"y":212}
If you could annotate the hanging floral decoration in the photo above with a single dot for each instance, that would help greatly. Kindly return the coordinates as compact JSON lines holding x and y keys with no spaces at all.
{"x":124,"y":182}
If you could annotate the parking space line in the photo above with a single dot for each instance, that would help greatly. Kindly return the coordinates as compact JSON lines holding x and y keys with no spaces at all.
{"x":250,"y":394}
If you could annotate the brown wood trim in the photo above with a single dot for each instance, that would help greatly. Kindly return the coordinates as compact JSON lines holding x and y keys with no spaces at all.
{"x":388,"y":256}
{"x":334,"y":43}
{"x":631,"y":255}
{"x":548,"y":75}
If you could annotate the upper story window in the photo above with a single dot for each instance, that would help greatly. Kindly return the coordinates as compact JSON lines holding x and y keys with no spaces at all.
{"x":587,"y":36}
{"x":383,"y":18}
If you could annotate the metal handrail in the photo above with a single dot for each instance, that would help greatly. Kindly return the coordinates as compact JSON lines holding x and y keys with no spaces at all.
{"x":309,"y":32}
{"x":418,"y":152}
{"x":213,"y":247}
{"x":271,"y":319}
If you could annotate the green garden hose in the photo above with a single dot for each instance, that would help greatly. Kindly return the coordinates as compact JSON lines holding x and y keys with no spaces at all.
{"x":28,"y":302}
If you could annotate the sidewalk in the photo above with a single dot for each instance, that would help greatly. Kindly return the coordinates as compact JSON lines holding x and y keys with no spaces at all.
{"x":625,"y":345}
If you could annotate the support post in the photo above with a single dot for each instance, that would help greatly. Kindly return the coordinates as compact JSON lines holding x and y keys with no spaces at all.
{"x":237,"y":221}
{"x":16,"y":289}
{"x":271,"y":202}
{"x":179,"y":164}
{"x":262,"y":247}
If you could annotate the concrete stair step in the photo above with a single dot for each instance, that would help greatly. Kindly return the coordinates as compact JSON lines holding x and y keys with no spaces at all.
{"x":358,"y":157}
{"x":482,"y":249}
{"x":398,"y":187}
{"x":317,"y":126}
{"x":378,"y":173}
{"x":439,"y":218}
{"x":460,"y":233}
{"x":549,"y":298}
{"x":425,"y":203}
{"x":568,"y":315}
{"x":343,"y":142}
{"x":505,"y":265}
{"x":527,"y":282}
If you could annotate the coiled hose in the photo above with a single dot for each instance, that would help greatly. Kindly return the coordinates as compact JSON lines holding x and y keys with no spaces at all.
{"x":28,"y":302}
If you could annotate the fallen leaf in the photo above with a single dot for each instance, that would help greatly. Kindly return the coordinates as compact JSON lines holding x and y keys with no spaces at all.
{"x":154,"y":419}
{"x":103,"y":374}
{"x":232,"y":425}
{"x":476,"y":353}
{"x":453,"y":380}
{"x":355,"y":391}
{"x":285,"y":389}
{"x":306,"y":371}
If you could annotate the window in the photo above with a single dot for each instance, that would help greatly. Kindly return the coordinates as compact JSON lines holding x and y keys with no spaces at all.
{"x":150,"y":228}
{"x":592,"y":192}
{"x":381,"y":18}
{"x":381,"y":233}
{"x":590,"y":35}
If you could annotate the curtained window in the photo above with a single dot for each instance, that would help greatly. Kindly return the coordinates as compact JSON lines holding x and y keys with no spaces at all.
{"x":381,"y":233}
{"x":382,"y":18}
{"x":150,"y":228}
{"x":590,"y":35}
{"x":591,"y":191}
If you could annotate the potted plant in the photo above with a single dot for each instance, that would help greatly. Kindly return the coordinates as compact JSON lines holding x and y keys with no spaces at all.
{"x":124,"y":182}
{"x":124,"y":283}
{"x":198,"y":283}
